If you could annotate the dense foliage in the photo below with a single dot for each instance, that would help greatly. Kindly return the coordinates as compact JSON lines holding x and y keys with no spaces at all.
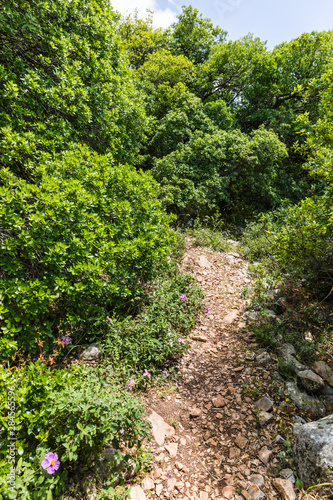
{"x":64,"y":79}
{"x":74,"y":247}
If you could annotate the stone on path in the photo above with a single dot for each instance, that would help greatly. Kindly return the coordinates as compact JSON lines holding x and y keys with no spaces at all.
{"x":231,"y":316}
{"x":147,"y":483}
{"x":265,"y":455}
{"x":287,"y":351}
{"x":286,"y":489}
{"x":263,"y":359}
{"x":288,"y":474}
{"x":264,"y":417}
{"x":137,"y":493}
{"x":228,"y":492}
{"x":310,"y":380}
{"x":257,"y":479}
{"x":254,"y":492}
{"x":204,"y":495}
{"x":171,"y":483}
{"x":241,"y":441}
{"x":218,"y":402}
{"x":324,"y":371}
{"x":199,"y":338}
{"x":195,"y":412}
{"x":172,"y":449}
{"x":264,"y":404}
{"x":204,"y":262}
{"x":160,"y":428}
{"x":159,"y":488}
{"x":313,"y":454}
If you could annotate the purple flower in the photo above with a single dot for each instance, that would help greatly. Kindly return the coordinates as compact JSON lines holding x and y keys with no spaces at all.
{"x":190,"y":286}
{"x":303,"y":279}
{"x":183,"y":297}
{"x":181,"y":341}
{"x":51,"y":462}
{"x":206,"y":310}
{"x":131,"y":382}
{"x":66,"y":339}
{"x":109,"y":319}
{"x":146,"y":374}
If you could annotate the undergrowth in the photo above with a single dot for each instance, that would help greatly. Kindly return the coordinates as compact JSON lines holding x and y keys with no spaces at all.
{"x":88,"y":418}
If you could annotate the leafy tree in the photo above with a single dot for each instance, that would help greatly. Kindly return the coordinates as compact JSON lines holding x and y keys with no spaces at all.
{"x":64,"y":78}
{"x":140,"y":38}
{"x":305,"y":233}
{"x":186,"y":116}
{"x":194,"y":36}
{"x":226,"y":170}
{"x":230,"y":69}
{"x":163,"y":78}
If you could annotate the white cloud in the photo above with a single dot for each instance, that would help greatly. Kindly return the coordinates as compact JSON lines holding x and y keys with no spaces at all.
{"x":161,"y":18}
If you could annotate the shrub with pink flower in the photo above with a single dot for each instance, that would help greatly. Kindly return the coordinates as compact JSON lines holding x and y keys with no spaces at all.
{"x":51,"y":462}
{"x":183,"y":297}
{"x":146,"y":373}
{"x":181,"y":341}
{"x":131,"y":383}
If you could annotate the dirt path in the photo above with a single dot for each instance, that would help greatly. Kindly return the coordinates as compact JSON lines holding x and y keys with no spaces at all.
{"x":219,"y":450}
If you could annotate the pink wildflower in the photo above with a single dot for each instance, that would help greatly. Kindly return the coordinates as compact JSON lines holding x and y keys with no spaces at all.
{"x":51,"y":462}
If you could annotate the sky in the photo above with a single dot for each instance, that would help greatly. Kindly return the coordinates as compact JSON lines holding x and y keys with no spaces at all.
{"x":274,"y":21}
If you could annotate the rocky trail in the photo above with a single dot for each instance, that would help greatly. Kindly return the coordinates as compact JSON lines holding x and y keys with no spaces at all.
{"x":220,"y":433}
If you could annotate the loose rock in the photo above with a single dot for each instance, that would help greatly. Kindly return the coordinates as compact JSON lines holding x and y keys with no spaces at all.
{"x":264,"y":404}
{"x":285,"y":488}
{"x":137,"y":493}
{"x":91,"y":353}
{"x":264,"y":417}
{"x":160,"y":428}
{"x":263,"y":359}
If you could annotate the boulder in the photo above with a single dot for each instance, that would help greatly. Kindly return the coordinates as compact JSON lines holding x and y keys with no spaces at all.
{"x":324,"y":371}
{"x":303,"y":401}
{"x":313,"y":454}
{"x":310,"y":381}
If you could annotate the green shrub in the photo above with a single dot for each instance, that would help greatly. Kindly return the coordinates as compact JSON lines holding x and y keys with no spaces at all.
{"x":256,"y":243}
{"x":71,"y":413}
{"x":75,"y":247}
{"x":224,"y":170}
{"x":150,"y":339}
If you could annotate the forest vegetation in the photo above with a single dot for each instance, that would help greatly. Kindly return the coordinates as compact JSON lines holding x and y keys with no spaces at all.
{"x":113,"y":135}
